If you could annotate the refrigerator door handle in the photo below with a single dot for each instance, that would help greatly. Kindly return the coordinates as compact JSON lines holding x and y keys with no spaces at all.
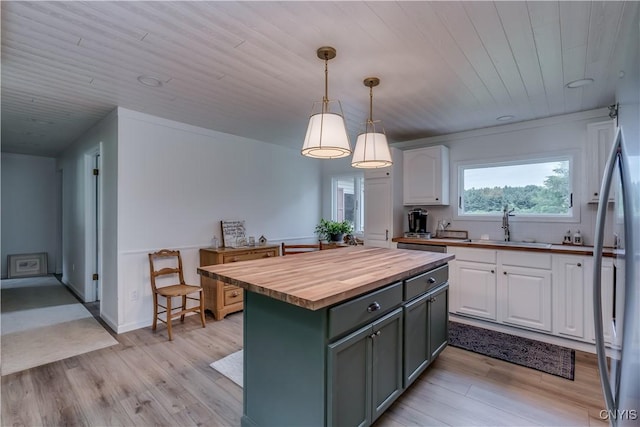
{"x":597,"y":276}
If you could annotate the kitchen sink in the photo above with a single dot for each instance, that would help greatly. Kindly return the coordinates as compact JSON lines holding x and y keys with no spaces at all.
{"x":511,"y":243}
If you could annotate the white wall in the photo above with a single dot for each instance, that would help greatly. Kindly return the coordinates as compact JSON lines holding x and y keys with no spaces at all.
{"x":76,"y":271}
{"x":176,"y":182}
{"x":567,"y":133}
{"x":30,"y":208}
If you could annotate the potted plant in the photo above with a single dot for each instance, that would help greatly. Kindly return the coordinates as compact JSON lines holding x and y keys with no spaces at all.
{"x":333,"y":231}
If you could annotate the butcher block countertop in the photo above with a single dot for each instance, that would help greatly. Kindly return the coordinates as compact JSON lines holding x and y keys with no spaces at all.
{"x":555,"y":248}
{"x":319,"y":279}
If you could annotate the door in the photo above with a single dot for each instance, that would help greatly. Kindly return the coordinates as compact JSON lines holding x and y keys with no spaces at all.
{"x":416,"y":342}
{"x":349,"y":382}
{"x":386,"y":369}
{"x":438,"y":323}
{"x":476,"y":289}
{"x":377,"y":212}
{"x":525,"y":295}
{"x":93,"y":236}
{"x":569,"y":279}
{"x":96,"y":229}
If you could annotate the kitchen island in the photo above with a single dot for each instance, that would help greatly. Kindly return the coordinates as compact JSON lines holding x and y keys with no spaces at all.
{"x":334,"y":337}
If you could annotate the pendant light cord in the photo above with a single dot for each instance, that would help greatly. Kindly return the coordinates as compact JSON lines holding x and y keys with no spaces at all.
{"x":371,"y":104}
{"x":325,"y":100}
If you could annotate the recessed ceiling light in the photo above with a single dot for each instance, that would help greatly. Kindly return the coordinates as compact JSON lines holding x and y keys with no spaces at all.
{"x":150,"y":81}
{"x":505,"y":118}
{"x":579,"y":83}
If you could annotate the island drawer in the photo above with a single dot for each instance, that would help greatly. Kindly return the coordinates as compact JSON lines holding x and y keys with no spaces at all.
{"x":364,"y":309}
{"x":418,"y":285}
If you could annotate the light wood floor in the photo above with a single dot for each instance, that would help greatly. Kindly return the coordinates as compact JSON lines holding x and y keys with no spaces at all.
{"x":146,"y":380}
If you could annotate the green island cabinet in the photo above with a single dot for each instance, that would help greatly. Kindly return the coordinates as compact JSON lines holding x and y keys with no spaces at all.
{"x":342,"y":365}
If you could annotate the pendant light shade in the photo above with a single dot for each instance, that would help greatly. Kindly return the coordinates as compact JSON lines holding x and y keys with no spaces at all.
{"x":372,"y":149}
{"x":326,"y":136}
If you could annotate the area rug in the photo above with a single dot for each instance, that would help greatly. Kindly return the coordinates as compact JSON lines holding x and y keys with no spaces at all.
{"x":549,"y":358}
{"x":42,"y":322}
{"x":231,"y":367}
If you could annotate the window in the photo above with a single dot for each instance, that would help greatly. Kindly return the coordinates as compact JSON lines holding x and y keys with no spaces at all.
{"x":347,"y":197}
{"x":540,"y":188}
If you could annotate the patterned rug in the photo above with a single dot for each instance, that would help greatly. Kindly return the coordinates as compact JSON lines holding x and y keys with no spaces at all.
{"x":549,"y":358}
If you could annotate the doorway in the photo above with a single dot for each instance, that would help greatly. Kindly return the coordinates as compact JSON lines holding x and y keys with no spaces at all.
{"x":93,"y":234}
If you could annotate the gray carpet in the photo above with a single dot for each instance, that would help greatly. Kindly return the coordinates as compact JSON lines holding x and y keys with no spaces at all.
{"x":42,"y":322}
{"x":549,"y":358}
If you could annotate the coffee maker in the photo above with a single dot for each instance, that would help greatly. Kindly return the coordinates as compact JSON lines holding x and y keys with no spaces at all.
{"x":418,"y":221}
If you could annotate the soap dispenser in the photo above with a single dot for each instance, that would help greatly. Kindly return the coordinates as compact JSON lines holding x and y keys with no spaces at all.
{"x":567,"y":238}
{"x":577,"y":238}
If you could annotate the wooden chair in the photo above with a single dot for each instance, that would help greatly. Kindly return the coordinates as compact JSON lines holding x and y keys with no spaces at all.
{"x":180,"y":289}
{"x":331,"y":245}
{"x":299,"y":249}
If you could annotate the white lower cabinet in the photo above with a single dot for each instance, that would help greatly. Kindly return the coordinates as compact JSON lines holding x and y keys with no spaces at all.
{"x":472,"y":282}
{"x":476,"y":294}
{"x":612,"y":303}
{"x":543,"y":292}
{"x":525,"y":297}
{"x":570,"y":296}
{"x":509,"y":287}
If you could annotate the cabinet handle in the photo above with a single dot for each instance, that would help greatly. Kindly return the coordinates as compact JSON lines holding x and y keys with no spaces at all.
{"x":234,"y":294}
{"x":434,"y":299}
{"x":437,"y":198}
{"x":269,"y":254}
{"x":373,"y":307}
{"x":595,"y":194}
{"x":579,"y":264}
{"x":492,"y":271}
{"x":375,"y":334}
{"x":432,"y":280}
{"x":504,"y":272}
{"x":386,"y":235}
{"x":234,"y":259}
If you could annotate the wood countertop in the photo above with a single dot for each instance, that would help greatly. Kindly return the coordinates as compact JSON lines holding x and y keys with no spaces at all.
{"x":319,"y":279}
{"x":558,"y":249}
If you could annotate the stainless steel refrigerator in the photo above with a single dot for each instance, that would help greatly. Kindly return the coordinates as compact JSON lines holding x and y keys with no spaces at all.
{"x":620,"y":373}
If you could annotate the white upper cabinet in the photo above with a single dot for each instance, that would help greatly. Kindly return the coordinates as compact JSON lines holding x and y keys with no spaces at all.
{"x":599,"y":140}
{"x":426,"y":176}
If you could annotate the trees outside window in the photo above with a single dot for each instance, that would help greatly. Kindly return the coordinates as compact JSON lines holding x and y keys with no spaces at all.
{"x":533,"y":188}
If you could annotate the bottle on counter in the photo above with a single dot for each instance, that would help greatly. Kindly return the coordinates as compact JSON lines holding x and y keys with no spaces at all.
{"x":568,"y":239}
{"x":577,"y":238}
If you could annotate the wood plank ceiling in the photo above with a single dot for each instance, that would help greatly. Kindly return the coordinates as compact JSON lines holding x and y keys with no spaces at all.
{"x":250,"y":68}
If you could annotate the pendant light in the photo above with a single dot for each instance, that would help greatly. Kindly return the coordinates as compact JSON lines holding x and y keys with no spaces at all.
{"x":326,"y":136}
{"x":372,"y":149}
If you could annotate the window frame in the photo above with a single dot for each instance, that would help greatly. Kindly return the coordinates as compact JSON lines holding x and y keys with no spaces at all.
{"x":574,"y":172}
{"x":358,"y":191}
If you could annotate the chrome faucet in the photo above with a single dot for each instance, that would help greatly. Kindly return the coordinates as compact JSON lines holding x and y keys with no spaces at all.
{"x":506,"y":213}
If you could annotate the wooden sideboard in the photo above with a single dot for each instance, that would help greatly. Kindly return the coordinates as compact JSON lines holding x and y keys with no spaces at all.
{"x":222,"y":298}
